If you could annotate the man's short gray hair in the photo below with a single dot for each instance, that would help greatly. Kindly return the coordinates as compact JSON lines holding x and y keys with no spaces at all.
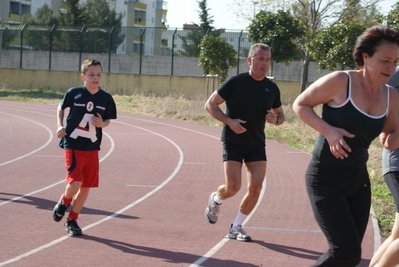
{"x":253,"y":49}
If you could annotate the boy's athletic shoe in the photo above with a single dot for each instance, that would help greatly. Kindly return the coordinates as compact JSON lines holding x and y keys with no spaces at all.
{"x":73,"y":228}
{"x":212,"y":211}
{"x":59,"y":210}
{"x":236,"y":232}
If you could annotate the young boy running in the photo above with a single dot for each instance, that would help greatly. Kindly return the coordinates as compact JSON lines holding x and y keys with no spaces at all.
{"x":90,"y":110}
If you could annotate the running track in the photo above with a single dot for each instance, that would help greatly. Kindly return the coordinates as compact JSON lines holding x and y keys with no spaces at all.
{"x":155,"y":179}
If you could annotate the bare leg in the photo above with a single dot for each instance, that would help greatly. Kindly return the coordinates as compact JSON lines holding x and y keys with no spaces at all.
{"x":80,"y":199}
{"x":256,"y":172}
{"x":75,"y":188}
{"x":385,"y":255}
{"x":72,"y":188}
{"x":255,"y":177}
{"x":232,"y":170}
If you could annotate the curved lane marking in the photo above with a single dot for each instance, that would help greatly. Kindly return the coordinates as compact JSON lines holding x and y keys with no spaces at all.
{"x":376,"y":228}
{"x":34,"y":151}
{"x":222,"y":242}
{"x":51,"y":137}
{"x":205,"y":256}
{"x":171,"y":176}
{"x":63,"y":180}
{"x":174,"y":126}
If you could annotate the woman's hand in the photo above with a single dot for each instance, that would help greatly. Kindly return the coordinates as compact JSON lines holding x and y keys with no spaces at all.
{"x":338,"y":147}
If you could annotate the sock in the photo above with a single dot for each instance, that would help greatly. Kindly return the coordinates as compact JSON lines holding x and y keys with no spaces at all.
{"x":67,"y":201}
{"x":73,"y":215}
{"x":240,"y":219}
{"x":217,"y":199}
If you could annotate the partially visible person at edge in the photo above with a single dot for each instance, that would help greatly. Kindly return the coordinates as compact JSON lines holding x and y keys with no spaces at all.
{"x":388,"y":253}
{"x":357,"y":107}
{"x":251,"y":100}
{"x":90,"y":110}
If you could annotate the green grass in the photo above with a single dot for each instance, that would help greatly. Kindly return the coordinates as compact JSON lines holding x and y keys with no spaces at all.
{"x":293,"y":133}
{"x":36,"y":95}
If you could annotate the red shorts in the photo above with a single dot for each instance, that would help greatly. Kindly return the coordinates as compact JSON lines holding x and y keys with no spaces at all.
{"x":82,"y":166}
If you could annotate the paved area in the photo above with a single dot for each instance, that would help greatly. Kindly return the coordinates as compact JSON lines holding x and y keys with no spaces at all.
{"x":155,"y":179}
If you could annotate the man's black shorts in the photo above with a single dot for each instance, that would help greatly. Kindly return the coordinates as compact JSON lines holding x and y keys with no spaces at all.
{"x":242,"y":153}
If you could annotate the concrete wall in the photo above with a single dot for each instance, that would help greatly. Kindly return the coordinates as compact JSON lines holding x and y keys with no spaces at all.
{"x":126,"y":84}
{"x":122,"y":84}
{"x":128,"y":64}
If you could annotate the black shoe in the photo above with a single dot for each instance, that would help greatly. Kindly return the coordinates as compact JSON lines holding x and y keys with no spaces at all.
{"x":73,"y":228}
{"x":59,"y":210}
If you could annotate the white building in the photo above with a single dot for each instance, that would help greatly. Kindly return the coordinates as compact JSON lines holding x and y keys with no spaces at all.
{"x":143,"y":20}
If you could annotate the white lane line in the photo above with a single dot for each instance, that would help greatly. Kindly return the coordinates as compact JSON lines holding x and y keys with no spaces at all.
{"x":376,"y":230}
{"x":377,"y":238}
{"x":34,"y":151}
{"x":222,"y":242}
{"x":137,"y":185}
{"x":62,"y":181}
{"x":174,"y":126}
{"x":285,"y":229}
{"x":47,"y":156}
{"x":31,"y":193}
{"x":171,"y":176}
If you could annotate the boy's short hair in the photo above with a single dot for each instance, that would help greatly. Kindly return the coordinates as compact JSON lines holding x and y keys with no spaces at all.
{"x":88,"y":63}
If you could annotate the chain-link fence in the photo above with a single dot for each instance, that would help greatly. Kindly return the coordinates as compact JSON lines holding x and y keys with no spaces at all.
{"x":156,"y":51}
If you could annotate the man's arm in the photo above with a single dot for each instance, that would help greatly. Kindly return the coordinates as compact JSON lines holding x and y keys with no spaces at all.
{"x":212,"y":106}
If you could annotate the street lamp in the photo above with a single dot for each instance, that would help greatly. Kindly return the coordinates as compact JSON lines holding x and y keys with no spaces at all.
{"x":255,"y":3}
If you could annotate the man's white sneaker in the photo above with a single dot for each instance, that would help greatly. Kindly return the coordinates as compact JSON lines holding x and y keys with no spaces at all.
{"x":213,"y":209}
{"x":236,"y":232}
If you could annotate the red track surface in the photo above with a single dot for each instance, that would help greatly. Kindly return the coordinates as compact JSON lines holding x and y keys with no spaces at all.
{"x":155,"y":179}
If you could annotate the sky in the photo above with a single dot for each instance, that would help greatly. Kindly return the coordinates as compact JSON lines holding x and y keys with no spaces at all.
{"x":186,"y":11}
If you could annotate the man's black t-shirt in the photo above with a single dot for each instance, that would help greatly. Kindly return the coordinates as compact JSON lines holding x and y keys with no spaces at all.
{"x":248,"y":100}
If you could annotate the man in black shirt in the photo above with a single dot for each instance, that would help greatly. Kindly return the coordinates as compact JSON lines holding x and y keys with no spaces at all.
{"x":251,"y":100}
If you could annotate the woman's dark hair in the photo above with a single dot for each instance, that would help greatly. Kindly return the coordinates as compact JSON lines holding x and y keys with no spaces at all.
{"x":370,"y":39}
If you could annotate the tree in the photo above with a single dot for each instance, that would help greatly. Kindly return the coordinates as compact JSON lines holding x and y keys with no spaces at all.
{"x":366,"y":14}
{"x":7,"y":36}
{"x":246,"y":10}
{"x":85,"y":28}
{"x":333,"y":47}
{"x":73,"y":15}
{"x":216,"y":56}
{"x":68,"y":36}
{"x":37,"y":35}
{"x":100,"y":20}
{"x":191,"y":42}
{"x":393,"y":17}
{"x":280,"y":31}
{"x":43,"y":16}
{"x":316,"y":15}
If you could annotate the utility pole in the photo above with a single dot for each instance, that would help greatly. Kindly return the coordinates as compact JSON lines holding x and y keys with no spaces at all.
{"x":255,"y":3}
